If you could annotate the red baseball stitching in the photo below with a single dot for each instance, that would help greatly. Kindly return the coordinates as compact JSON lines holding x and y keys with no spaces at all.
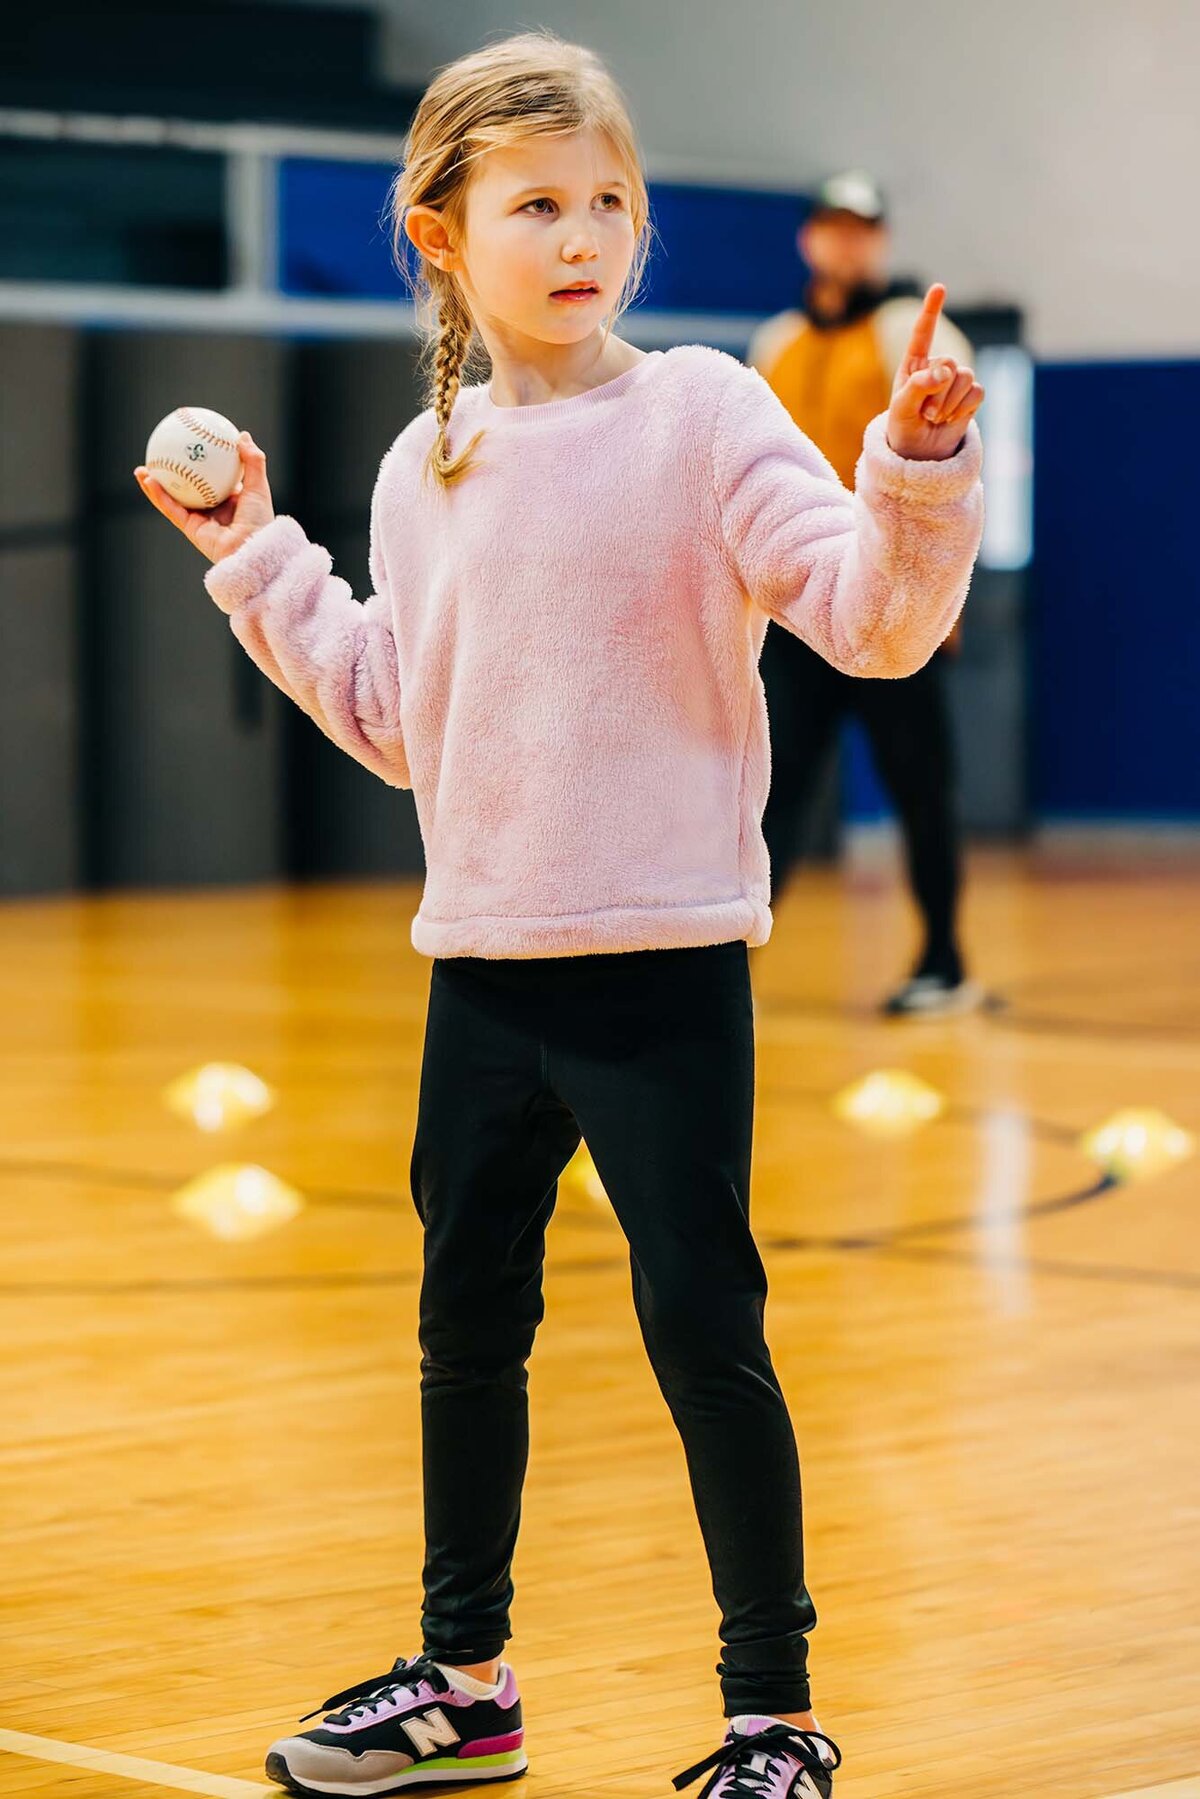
{"x":193,"y":424}
{"x":188,"y":474}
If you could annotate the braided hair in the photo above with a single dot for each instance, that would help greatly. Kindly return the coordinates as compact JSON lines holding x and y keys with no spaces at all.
{"x":450,"y":351}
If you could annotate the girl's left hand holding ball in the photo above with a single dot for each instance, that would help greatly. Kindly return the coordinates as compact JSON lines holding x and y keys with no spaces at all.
{"x":933,"y":399}
{"x":223,"y":528}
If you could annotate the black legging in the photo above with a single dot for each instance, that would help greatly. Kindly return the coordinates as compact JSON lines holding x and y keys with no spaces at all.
{"x":650,"y":1054}
{"x":908,"y":727}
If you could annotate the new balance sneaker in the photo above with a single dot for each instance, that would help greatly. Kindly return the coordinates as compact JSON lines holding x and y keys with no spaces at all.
{"x":763,"y":1758}
{"x":409,"y":1727}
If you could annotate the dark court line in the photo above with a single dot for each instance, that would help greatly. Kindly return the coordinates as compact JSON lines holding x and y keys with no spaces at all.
{"x":898,"y":1243}
{"x":1175,"y":1280}
{"x":85,"y":1173}
{"x":1049,"y":1024}
{"x":932,"y":1227}
{"x":1006,"y":1007}
{"x":1008,"y":1011}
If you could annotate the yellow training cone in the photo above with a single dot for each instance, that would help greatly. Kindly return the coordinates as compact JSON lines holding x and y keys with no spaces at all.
{"x":1136,"y":1143}
{"x":888,"y":1103}
{"x":219,"y":1096}
{"x":236,"y":1202}
{"x":580,"y":1177}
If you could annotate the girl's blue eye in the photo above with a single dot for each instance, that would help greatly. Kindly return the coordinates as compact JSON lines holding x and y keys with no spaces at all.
{"x":543,"y":201}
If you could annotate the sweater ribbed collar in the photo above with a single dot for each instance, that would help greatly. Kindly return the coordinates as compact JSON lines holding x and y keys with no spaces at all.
{"x":553,"y":410}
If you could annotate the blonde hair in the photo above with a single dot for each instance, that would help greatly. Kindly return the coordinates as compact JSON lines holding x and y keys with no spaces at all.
{"x":531,"y":85}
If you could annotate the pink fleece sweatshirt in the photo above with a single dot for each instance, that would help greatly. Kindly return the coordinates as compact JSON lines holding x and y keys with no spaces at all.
{"x":560,"y":657}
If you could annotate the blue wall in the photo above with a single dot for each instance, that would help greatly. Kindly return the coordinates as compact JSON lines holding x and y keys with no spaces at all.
{"x":1114,"y":604}
{"x":333,"y":237}
{"x":333,"y":240}
{"x":1115,"y":614}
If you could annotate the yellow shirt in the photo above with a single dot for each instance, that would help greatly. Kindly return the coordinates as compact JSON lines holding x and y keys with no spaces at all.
{"x":834,"y":382}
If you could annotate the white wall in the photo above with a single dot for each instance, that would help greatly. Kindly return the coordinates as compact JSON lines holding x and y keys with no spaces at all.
{"x":1042,"y":151}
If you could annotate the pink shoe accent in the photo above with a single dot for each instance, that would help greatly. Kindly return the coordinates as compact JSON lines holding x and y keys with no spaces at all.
{"x":493,"y":1745}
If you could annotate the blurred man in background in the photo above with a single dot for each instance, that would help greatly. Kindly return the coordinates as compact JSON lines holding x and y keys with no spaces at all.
{"x":832,"y":363}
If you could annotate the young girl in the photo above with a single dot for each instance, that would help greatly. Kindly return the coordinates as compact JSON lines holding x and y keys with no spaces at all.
{"x":574,"y":567}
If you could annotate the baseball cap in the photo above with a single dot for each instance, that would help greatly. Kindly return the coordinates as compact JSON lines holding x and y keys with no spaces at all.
{"x":852,"y":191}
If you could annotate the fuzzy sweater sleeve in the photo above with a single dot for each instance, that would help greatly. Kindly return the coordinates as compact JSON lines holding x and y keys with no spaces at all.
{"x":334,"y":656}
{"x":873,"y":580}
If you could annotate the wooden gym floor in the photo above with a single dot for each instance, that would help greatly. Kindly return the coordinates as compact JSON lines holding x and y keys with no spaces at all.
{"x":210,"y":1488}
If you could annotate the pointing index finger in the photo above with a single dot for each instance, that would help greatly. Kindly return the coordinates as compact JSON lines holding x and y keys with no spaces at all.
{"x":921,"y":341}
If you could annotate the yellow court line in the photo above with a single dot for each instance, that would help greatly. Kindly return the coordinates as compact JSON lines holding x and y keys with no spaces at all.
{"x":224,"y":1786}
{"x":131,"y":1767}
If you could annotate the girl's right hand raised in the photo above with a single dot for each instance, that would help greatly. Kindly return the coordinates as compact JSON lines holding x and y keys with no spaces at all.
{"x":224,"y":529}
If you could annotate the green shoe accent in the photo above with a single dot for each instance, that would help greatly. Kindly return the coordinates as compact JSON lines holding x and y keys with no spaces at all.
{"x":504,"y":1760}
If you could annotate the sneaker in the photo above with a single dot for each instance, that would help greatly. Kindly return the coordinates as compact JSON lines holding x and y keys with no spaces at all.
{"x":933,"y":996}
{"x":763,"y":1758}
{"x":408,"y":1727}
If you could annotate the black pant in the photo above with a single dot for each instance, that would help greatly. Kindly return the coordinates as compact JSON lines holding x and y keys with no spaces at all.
{"x":907,"y":724}
{"x":650,"y":1054}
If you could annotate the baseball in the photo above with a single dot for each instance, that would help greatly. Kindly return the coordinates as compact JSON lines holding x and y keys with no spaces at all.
{"x":193,"y":453}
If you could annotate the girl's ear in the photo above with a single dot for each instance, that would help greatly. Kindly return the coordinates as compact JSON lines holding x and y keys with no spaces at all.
{"x":427,"y":230}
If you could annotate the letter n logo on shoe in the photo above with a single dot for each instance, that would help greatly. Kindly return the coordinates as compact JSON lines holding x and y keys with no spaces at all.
{"x":432,"y":1730}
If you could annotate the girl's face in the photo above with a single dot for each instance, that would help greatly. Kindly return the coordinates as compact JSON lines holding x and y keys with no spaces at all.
{"x":548,"y":237}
